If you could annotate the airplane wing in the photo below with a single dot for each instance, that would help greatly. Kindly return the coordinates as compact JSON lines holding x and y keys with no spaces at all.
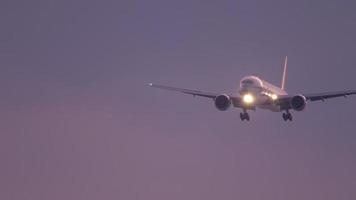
{"x":319,"y":96}
{"x":186,"y":91}
{"x":235,"y":100}
{"x":328,"y":95}
{"x":283,"y":101}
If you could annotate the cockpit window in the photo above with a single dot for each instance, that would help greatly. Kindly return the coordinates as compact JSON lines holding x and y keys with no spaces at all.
{"x":247,"y":81}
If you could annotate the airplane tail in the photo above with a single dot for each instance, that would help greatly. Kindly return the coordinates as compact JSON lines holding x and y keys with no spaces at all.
{"x":284,"y":73}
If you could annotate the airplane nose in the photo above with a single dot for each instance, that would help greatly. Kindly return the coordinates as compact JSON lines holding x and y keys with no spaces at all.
{"x":243,"y":90}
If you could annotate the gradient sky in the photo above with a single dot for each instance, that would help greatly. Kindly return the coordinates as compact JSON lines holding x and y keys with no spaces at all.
{"x":77,"y":121}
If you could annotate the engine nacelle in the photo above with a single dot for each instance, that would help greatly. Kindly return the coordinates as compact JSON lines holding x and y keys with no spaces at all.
{"x":222,"y":102}
{"x":298,"y":102}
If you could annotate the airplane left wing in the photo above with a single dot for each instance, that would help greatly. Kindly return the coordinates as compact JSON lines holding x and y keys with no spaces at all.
{"x":235,"y":100}
{"x":186,"y":91}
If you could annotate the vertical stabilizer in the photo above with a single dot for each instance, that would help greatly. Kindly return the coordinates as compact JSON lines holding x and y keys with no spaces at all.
{"x":284,"y":74}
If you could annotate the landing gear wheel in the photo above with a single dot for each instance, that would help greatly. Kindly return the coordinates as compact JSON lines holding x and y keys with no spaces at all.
{"x":244,"y":116}
{"x":290,"y":117}
{"x":287,"y":116}
{"x":247,"y":117}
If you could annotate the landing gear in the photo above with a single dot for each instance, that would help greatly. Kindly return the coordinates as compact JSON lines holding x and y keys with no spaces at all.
{"x":287,"y":116}
{"x":244,"y":116}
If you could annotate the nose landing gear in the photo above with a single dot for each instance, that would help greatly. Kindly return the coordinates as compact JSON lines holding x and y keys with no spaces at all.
{"x":244,"y":116}
{"x":287,"y":116}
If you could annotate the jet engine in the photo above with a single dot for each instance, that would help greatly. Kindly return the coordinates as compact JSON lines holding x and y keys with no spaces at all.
{"x":222,"y":102}
{"x":298,"y":102}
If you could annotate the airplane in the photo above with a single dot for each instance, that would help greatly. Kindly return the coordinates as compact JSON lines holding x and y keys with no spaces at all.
{"x":255,"y":92}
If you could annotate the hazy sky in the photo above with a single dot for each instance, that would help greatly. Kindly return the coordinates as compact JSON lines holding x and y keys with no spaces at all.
{"x":78,"y":122}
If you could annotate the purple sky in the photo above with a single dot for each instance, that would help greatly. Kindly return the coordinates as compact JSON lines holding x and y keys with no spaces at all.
{"x":77,"y":121}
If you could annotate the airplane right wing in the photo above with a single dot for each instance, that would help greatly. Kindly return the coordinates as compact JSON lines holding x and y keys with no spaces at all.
{"x":328,"y":95}
{"x":284,"y":101}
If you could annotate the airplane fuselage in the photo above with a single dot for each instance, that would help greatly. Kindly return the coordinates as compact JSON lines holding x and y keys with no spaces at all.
{"x":262,"y":92}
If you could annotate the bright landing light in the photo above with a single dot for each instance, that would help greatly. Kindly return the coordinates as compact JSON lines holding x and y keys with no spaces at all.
{"x":248,"y":98}
{"x":274,"y":96}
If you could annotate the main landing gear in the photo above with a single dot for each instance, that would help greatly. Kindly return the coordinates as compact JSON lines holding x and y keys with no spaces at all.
{"x":244,"y":116}
{"x":287,"y":116}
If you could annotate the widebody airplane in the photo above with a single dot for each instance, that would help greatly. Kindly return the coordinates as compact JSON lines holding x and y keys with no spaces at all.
{"x":256,"y":93}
